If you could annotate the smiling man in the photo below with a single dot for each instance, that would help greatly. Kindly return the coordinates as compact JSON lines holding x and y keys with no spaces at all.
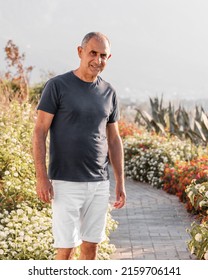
{"x":81,"y":111}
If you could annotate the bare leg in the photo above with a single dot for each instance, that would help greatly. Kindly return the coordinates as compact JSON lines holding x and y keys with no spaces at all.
{"x":65,"y":254}
{"x":88,"y":251}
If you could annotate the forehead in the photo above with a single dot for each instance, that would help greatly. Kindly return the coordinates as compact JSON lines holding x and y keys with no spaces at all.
{"x":100,"y":45}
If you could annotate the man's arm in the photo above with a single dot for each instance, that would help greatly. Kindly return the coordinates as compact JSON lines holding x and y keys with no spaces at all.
{"x":44,"y":188}
{"x":115,"y":147}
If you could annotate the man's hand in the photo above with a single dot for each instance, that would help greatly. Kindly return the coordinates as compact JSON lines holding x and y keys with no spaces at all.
{"x":120,"y":197}
{"x":44,"y":190}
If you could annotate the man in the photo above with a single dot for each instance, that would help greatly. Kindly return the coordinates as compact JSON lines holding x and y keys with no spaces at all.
{"x":81,"y":111}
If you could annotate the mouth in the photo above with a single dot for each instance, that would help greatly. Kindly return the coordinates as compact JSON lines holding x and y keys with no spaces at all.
{"x":95,"y":68}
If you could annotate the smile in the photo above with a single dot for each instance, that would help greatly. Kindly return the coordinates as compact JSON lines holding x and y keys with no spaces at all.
{"x":95,"y":67}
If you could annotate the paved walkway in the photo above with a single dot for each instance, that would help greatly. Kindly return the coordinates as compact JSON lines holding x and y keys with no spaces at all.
{"x":152,"y":226}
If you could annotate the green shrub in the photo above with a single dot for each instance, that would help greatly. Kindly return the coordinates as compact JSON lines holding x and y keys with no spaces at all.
{"x":16,"y":162}
{"x":25,"y":233}
{"x":35,"y":92}
{"x":198,"y":197}
{"x":198,"y":244}
{"x":25,"y":222}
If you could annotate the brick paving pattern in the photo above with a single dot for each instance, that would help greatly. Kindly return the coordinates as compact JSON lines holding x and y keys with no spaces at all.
{"x":152,"y":226}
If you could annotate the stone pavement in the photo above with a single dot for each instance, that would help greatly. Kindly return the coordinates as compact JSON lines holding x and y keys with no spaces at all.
{"x":152,"y":226}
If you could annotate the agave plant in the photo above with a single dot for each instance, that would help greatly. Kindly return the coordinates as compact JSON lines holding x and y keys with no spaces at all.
{"x":192,"y":125}
{"x":156,"y":121}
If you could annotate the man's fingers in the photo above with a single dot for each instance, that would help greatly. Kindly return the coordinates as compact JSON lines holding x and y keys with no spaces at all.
{"x":44,"y":196}
{"x":120,"y":202}
{"x":45,"y":192}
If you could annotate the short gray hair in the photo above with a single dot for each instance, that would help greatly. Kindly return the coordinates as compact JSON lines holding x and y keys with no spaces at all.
{"x":97,"y":35}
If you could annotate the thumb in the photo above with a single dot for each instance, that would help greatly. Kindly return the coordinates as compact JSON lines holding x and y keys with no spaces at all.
{"x":51,"y":192}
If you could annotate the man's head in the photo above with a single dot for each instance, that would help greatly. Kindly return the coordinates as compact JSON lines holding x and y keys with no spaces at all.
{"x":94,"y":53}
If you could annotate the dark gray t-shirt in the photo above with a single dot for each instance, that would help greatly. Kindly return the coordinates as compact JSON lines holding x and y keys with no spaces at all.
{"x":78,"y":141}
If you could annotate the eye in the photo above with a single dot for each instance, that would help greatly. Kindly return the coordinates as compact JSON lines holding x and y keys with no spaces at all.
{"x":93,"y":53}
{"x":104,"y":56}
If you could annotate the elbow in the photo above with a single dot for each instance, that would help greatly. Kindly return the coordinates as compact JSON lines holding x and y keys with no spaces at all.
{"x":116,"y":142}
{"x":39,"y":134}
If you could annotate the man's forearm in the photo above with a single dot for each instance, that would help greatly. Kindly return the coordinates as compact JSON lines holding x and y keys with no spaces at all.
{"x":39,"y":154}
{"x":117,"y":159}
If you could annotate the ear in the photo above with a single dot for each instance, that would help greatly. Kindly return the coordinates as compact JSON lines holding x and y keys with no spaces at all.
{"x":79,"y":51}
{"x":109,"y":56}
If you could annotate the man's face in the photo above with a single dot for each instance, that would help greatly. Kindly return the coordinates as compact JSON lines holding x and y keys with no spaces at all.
{"x":94,"y":56}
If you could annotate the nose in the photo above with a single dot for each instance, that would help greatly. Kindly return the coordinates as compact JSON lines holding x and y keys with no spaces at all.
{"x":98,"y":59}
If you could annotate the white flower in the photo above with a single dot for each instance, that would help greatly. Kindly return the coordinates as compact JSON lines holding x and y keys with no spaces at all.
{"x":20,"y":211}
{"x":15,"y":219}
{"x":7,"y":172}
{"x":21,"y":239}
{"x":206,"y":255}
{"x":1,"y":252}
{"x":30,"y":249}
{"x":5,"y":246}
{"x":198,"y":237}
{"x":2,"y":234}
{"x":16,"y":174}
{"x":29,"y":210}
{"x":28,"y":238}
{"x":10,"y":224}
{"x":206,"y":194}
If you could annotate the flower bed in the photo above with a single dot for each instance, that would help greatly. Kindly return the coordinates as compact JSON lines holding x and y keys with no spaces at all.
{"x":176,"y":178}
{"x":25,"y":233}
{"x":25,"y":222}
{"x":147,"y":155}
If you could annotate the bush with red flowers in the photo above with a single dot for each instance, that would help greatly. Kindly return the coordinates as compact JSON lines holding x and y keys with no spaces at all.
{"x":127,"y":129}
{"x":178,"y":177}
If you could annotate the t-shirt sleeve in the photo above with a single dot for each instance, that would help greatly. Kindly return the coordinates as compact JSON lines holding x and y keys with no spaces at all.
{"x":49,"y":101}
{"x":115,"y":114}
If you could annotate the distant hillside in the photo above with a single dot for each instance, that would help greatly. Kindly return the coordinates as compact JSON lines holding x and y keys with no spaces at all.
{"x":187,"y":104}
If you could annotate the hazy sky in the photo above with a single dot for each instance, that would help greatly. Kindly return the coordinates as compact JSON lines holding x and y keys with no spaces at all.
{"x":157,"y":45}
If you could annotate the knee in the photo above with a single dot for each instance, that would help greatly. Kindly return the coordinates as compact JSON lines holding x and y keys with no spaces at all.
{"x":89,"y":245}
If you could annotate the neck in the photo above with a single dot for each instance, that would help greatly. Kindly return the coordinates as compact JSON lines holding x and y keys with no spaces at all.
{"x":83,"y":77}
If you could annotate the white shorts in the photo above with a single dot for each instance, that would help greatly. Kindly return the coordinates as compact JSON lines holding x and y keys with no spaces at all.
{"x":79,"y":212}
